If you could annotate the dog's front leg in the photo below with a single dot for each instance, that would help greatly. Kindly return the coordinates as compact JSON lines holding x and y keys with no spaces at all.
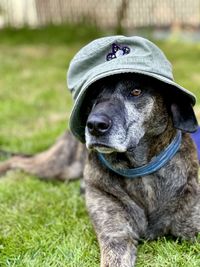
{"x":116,"y":231}
{"x":121,"y":252}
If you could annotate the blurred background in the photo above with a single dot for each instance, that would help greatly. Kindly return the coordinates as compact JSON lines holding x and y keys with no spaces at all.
{"x":46,"y":224}
{"x":107,"y":14}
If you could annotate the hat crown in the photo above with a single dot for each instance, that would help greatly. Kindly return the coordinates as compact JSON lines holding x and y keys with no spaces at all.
{"x":93,"y":58}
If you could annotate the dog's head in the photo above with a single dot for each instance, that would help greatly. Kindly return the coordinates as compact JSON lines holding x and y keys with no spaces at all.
{"x":126,"y":108}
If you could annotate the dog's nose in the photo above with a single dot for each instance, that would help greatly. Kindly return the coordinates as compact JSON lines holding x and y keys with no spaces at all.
{"x":98,"y":124}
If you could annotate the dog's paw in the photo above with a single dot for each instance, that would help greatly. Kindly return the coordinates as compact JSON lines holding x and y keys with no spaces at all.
{"x":113,"y":260}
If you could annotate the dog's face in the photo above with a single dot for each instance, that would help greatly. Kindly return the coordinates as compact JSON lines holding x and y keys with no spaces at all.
{"x":126,"y":109}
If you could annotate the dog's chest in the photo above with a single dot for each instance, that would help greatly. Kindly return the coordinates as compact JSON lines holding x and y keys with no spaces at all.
{"x":150,"y":192}
{"x":143,"y":191}
{"x":154,"y":191}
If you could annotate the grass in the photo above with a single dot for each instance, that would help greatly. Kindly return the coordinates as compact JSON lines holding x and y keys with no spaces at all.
{"x":43,"y":224}
{"x":46,"y":224}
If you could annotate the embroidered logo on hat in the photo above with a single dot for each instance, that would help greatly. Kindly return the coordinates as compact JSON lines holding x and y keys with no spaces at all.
{"x":117,"y":51}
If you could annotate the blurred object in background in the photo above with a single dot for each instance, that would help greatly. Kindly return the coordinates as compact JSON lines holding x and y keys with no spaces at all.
{"x":18,"y":13}
{"x":115,"y":15}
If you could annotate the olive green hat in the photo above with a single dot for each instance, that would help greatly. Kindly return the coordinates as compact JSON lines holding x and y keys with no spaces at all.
{"x":114,"y":55}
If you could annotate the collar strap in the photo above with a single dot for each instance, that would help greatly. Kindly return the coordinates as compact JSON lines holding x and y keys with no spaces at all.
{"x":155,"y":164}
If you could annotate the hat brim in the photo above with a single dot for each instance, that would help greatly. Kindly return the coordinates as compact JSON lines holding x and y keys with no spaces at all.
{"x":75,"y":123}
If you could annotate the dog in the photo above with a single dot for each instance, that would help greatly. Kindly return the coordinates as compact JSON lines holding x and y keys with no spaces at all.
{"x":130,"y":120}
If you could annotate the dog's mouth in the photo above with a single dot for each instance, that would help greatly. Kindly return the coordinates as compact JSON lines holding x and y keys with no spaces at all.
{"x":103,"y":148}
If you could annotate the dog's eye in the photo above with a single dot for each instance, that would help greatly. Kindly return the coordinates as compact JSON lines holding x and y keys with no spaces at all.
{"x":136,"y":92}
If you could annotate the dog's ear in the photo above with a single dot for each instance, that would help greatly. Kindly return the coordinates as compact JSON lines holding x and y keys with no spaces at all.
{"x":183,"y":116}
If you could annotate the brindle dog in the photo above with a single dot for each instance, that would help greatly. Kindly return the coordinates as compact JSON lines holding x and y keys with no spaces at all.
{"x":131,"y":119}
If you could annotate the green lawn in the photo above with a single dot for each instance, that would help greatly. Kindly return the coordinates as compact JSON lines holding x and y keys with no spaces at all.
{"x":46,"y":224}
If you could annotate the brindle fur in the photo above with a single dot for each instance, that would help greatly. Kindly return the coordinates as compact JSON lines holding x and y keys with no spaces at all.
{"x":124,"y":210}
{"x":63,"y":161}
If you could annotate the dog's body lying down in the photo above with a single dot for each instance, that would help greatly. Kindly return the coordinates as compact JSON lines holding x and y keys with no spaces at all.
{"x":131,"y":121}
{"x":135,"y":118}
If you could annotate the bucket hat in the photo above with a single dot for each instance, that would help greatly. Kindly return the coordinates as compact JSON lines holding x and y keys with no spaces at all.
{"x":115,"y":55}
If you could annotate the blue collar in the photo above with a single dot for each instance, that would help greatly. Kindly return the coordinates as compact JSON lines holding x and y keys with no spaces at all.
{"x":154,"y":165}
